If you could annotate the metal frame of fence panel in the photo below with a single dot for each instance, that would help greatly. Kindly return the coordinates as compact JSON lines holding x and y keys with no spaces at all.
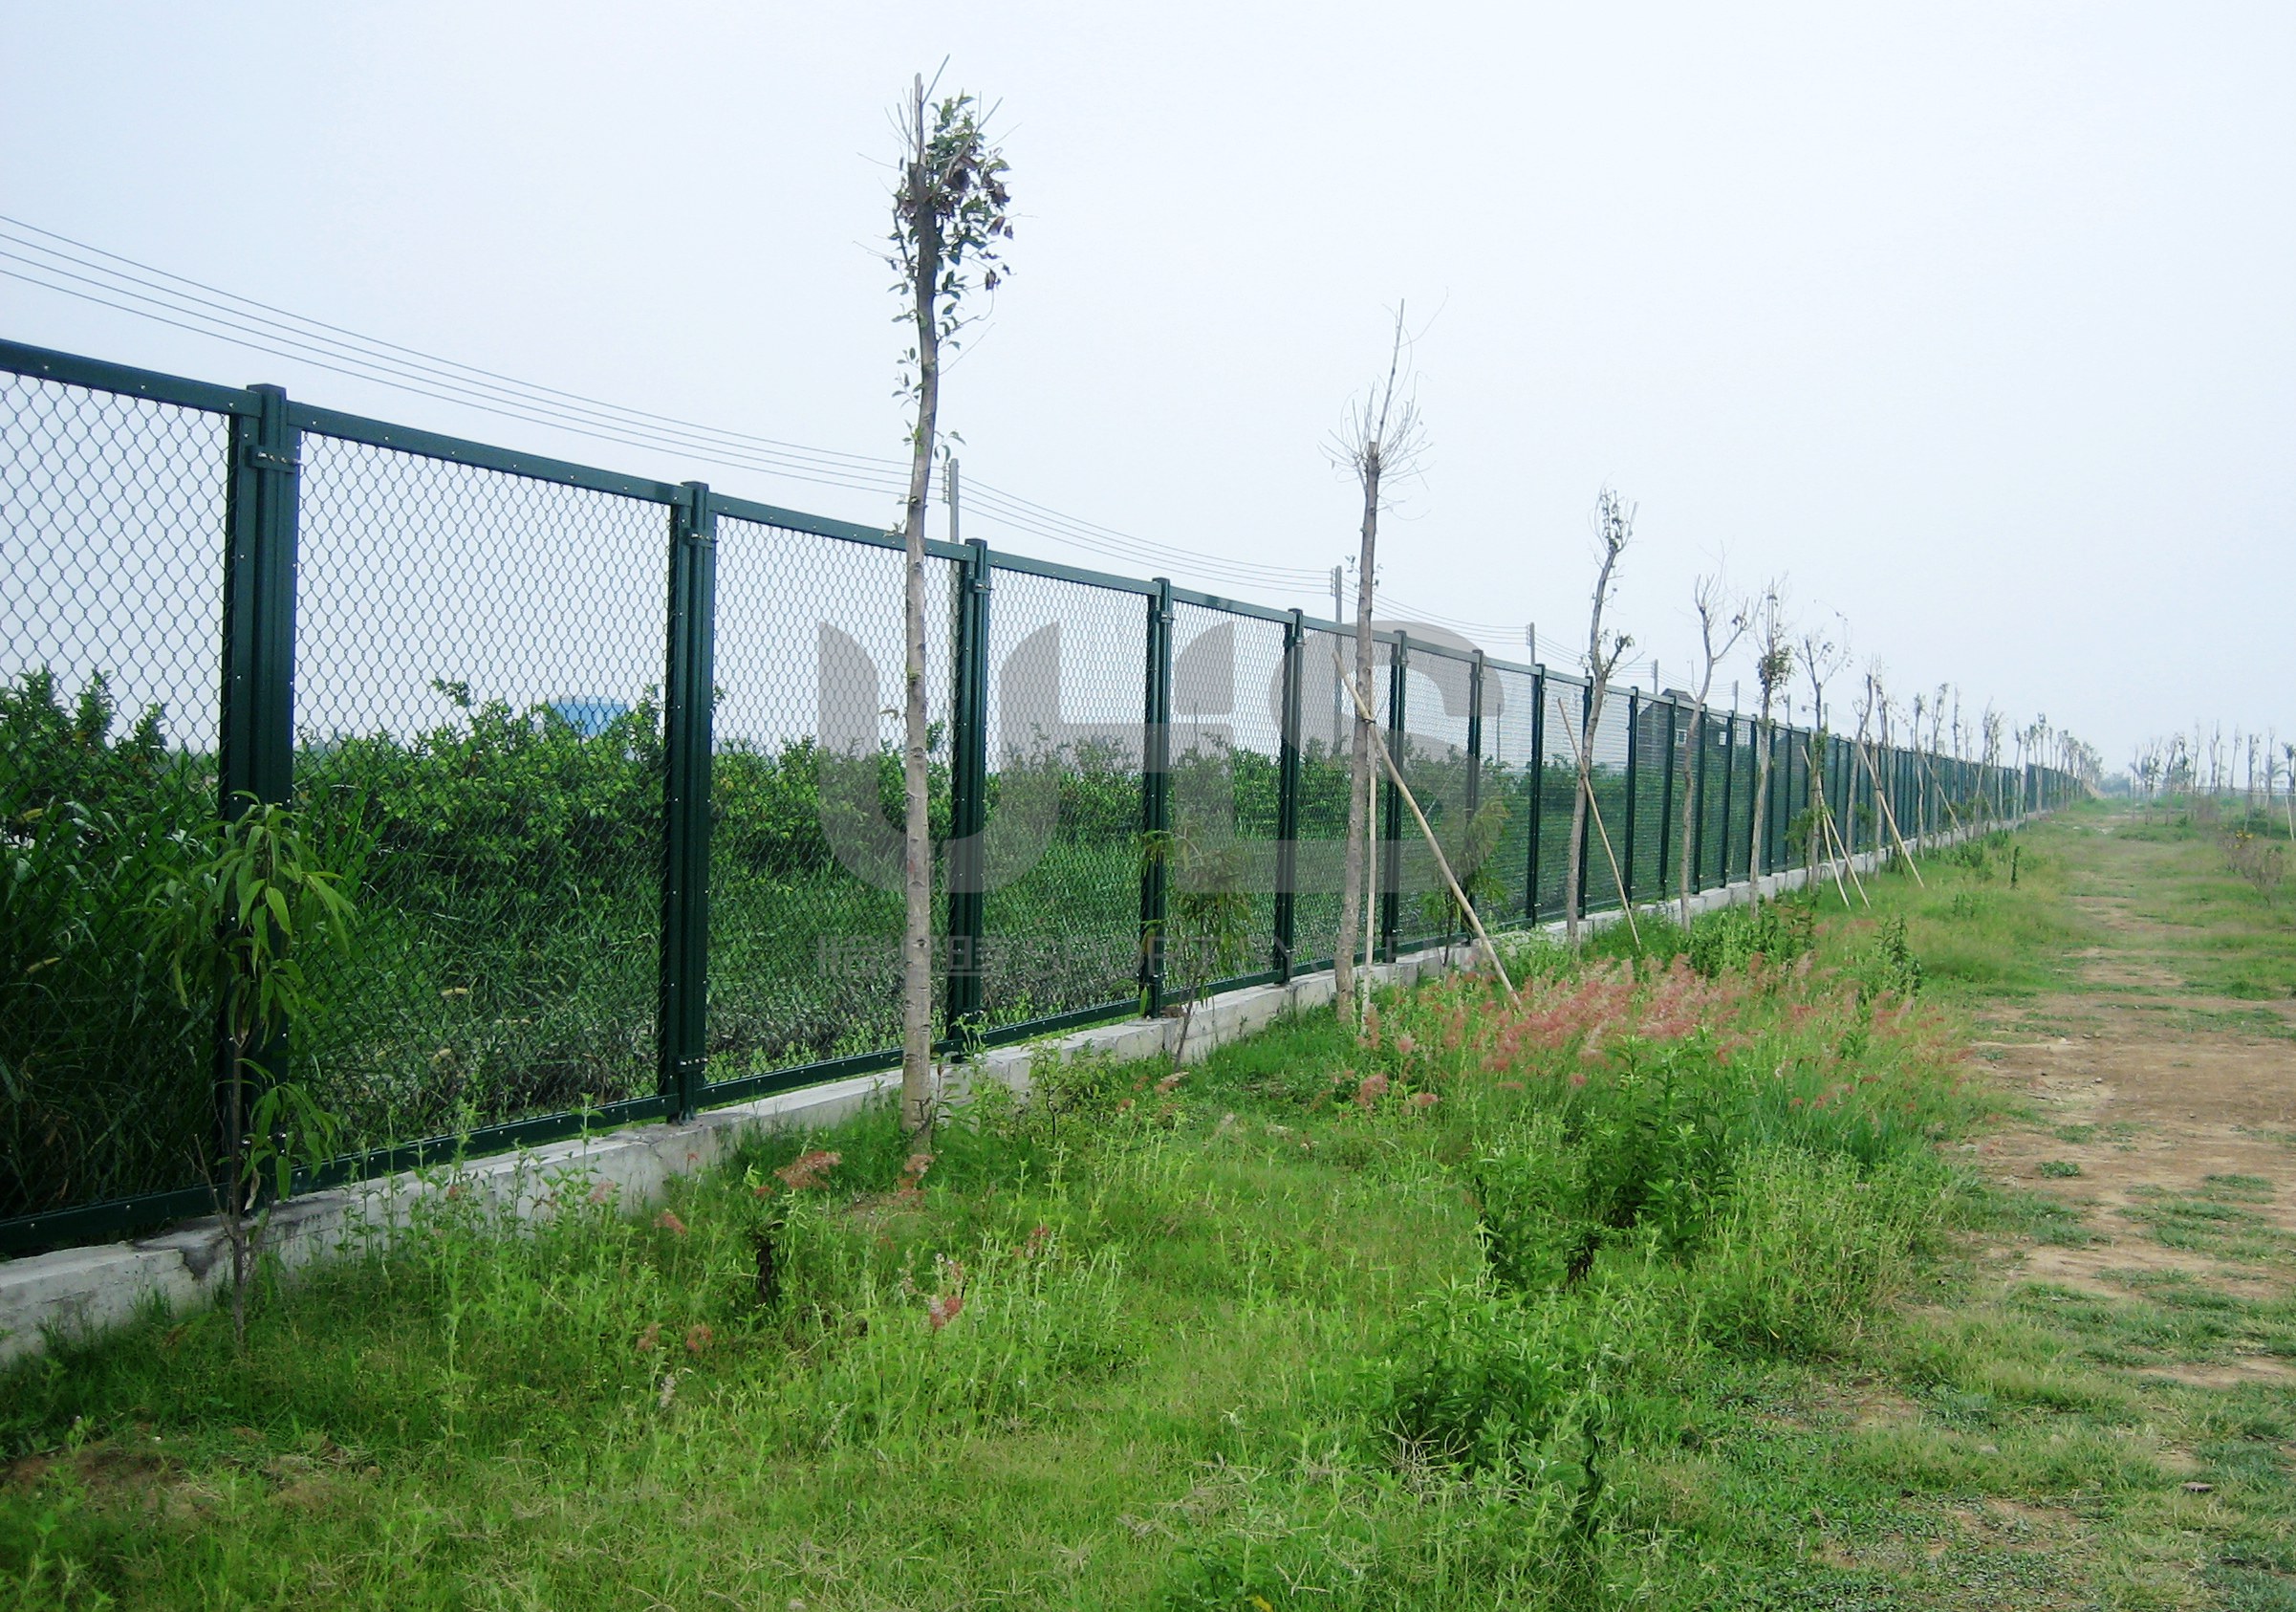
{"x":1078,"y":731}
{"x":1230,"y":688}
{"x":625,"y":855}
{"x":1439,"y":754}
{"x":516,"y":784}
{"x":1609,"y":780}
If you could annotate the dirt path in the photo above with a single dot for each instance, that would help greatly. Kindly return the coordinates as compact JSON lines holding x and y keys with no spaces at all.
{"x":2168,"y":1117}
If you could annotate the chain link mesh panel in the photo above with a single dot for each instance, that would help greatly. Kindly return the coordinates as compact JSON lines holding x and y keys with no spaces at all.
{"x":1066,"y":697}
{"x":1228,"y":747}
{"x":1433,"y":759}
{"x":1327,"y":732}
{"x":1564,"y":698}
{"x":806,"y":909}
{"x":112,"y":513}
{"x":1605,"y":861}
{"x":1509,"y":777}
{"x":479,"y":664}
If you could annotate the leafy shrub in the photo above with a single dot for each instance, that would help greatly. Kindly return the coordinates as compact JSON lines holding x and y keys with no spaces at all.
{"x":103,"y":1073}
{"x":1780,"y":932}
{"x":1804,"y":1248}
{"x":1889,"y":966}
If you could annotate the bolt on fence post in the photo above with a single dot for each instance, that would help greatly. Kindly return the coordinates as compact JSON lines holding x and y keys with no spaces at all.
{"x":968,"y":794}
{"x":1156,"y":794}
{"x":688,"y":693}
{"x":1287,"y":798}
{"x":1538,"y":792}
{"x":1391,"y":817}
{"x":257,"y":739}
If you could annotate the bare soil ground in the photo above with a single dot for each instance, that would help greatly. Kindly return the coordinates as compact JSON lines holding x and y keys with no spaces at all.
{"x":2167,"y":1127}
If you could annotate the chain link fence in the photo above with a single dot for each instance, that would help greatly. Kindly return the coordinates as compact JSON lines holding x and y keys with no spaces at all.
{"x":615,"y":769}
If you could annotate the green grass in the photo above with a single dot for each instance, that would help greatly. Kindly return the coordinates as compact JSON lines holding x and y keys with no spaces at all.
{"x":1670,"y":1297}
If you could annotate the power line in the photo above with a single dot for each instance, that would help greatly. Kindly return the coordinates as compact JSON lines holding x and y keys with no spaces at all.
{"x":262,"y":327}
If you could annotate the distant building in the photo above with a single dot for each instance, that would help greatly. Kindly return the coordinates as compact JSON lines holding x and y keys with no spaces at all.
{"x":588,"y":714}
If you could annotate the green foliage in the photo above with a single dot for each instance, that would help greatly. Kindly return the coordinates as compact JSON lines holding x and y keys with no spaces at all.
{"x":1779,"y":933}
{"x":104,"y":1080}
{"x":1889,"y":966}
{"x":237,"y":919}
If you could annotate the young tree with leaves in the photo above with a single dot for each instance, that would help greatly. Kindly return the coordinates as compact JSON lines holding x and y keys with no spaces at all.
{"x":950,"y":214}
{"x":1773,"y":665}
{"x":1821,"y":657}
{"x":1381,"y":442}
{"x":237,"y":919}
{"x":1613,"y":530}
{"x":1722,"y":621}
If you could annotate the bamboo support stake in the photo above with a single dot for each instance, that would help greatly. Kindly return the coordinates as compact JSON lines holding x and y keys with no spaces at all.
{"x":1379,"y":743}
{"x":1827,"y":837}
{"x":1841,"y":847}
{"x":1578,"y":755}
{"x":1881,"y":798}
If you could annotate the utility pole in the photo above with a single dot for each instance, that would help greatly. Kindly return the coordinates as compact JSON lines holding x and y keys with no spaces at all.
{"x":1337,"y":738}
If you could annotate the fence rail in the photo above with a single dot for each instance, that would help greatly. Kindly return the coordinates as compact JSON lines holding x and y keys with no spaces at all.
{"x":614,"y":759}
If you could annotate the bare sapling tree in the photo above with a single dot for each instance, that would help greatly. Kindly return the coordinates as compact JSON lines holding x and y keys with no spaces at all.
{"x":1723,"y":619}
{"x":1821,"y":657}
{"x":950,"y":213}
{"x":1773,"y":665}
{"x":1613,"y":530}
{"x":1381,"y":443}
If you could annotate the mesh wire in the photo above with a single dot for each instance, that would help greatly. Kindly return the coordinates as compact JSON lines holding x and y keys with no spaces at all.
{"x":1510,"y":777}
{"x":1325,"y":725}
{"x":806,"y":909}
{"x":1433,"y":759}
{"x":1228,"y":743}
{"x":1605,"y":861}
{"x":479,"y":661}
{"x":1067,"y":691}
{"x":112,"y":517}
{"x":1558,"y":784}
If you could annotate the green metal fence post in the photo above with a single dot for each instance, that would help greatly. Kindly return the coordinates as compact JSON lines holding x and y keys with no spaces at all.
{"x":1538,"y":792}
{"x":1475,"y":676}
{"x":1666,"y":804}
{"x":968,"y":794}
{"x":1391,"y":825}
{"x":1697,"y":848}
{"x":257,"y":750}
{"x":1156,"y":794}
{"x":1287,"y":798}
{"x":1729,"y":793}
{"x":688,"y":693}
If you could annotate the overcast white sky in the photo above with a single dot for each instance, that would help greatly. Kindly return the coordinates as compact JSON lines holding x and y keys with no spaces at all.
{"x":1977,"y":321}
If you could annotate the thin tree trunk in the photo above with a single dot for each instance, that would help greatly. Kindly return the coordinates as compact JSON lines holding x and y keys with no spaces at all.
{"x":916,"y":865}
{"x":1758,"y":848}
{"x":1353,"y":894}
{"x":1574,"y":850}
{"x":1691,"y":805}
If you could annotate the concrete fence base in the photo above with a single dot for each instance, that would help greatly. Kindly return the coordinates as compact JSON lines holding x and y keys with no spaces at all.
{"x":79,"y":1292}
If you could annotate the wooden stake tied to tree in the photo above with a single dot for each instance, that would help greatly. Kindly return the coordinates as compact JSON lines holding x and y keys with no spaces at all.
{"x":1381,"y":442}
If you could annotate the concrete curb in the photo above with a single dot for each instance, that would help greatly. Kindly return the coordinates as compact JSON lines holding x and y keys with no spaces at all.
{"x":78,"y":1293}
